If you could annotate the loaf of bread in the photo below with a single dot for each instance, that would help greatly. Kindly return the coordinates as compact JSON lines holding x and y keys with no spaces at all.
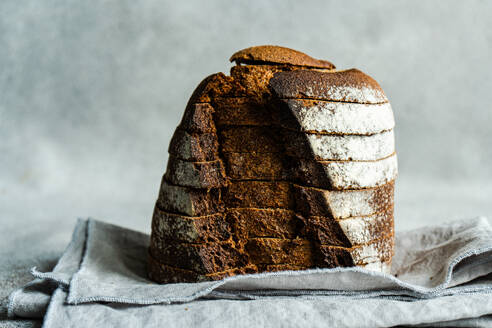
{"x":286,"y":164}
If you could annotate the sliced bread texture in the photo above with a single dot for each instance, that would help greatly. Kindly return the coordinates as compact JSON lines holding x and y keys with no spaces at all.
{"x":286,"y":164}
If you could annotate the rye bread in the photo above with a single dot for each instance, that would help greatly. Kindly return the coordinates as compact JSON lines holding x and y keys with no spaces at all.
{"x":198,"y":118}
{"x":257,"y":166}
{"x":296,"y":252}
{"x":241,"y":111}
{"x":189,"y":201}
{"x":343,"y":204}
{"x":340,"y":175}
{"x":237,"y":208}
{"x":202,"y":258}
{"x":248,"y":223}
{"x":350,"y":231}
{"x":195,"y":174}
{"x":247,"y":139}
{"x":171,"y":227}
{"x":279,"y":55}
{"x":349,"y":85}
{"x":165,"y":274}
{"x":259,"y":194}
{"x":215,"y":86}
{"x":328,"y":147}
{"x":194,"y":147}
{"x":333,"y":117}
{"x":378,"y":250}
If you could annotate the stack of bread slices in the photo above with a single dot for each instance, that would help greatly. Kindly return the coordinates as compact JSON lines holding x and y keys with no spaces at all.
{"x":287,"y":164}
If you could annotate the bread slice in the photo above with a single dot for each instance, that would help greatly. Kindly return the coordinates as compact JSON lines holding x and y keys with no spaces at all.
{"x":202,"y":258}
{"x":257,"y":166}
{"x":340,"y":175}
{"x":165,"y":274}
{"x":278,"y":55}
{"x":343,"y":204}
{"x":259,"y":194}
{"x":326,"y":147}
{"x":241,"y":111}
{"x":198,"y":118}
{"x":350,"y":231}
{"x":194,"y":147}
{"x":297,"y":252}
{"x":349,"y":85}
{"x":195,"y":174}
{"x":216,"y":86}
{"x":332,"y":117}
{"x":377,"y":251}
{"x":189,"y":201}
{"x":249,"y":139}
{"x":248,"y":223}
{"x":170,"y":227}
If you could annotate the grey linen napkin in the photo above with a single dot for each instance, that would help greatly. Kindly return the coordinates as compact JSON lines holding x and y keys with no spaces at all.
{"x":440,"y":276}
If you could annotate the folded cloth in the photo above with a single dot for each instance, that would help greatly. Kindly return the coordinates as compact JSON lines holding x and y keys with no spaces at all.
{"x":441,"y":276}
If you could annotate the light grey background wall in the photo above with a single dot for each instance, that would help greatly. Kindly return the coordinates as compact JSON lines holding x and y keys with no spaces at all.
{"x":90,"y":93}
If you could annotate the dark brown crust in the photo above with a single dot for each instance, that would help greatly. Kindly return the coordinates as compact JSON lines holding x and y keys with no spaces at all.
{"x":312,"y":201}
{"x":201,"y":258}
{"x":257,"y":166}
{"x":198,"y":118}
{"x":240,"y":111}
{"x":165,"y":274}
{"x":280,"y":267}
{"x":255,"y":79}
{"x":249,"y":139}
{"x":332,"y":86}
{"x":195,"y":174}
{"x":278,"y":55}
{"x":213,"y":86}
{"x":199,"y":202}
{"x":252,"y":222}
{"x":295,"y":252}
{"x":194,"y":147}
{"x":274,"y":194}
{"x":168,"y":228}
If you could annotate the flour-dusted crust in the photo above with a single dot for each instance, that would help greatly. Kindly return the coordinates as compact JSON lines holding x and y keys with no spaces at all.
{"x":350,"y":231}
{"x":326,"y":147}
{"x":348,"y":86}
{"x":340,"y":204}
{"x":333,"y":117}
{"x":377,"y":251}
{"x":341,"y":175}
{"x":278,"y":55}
